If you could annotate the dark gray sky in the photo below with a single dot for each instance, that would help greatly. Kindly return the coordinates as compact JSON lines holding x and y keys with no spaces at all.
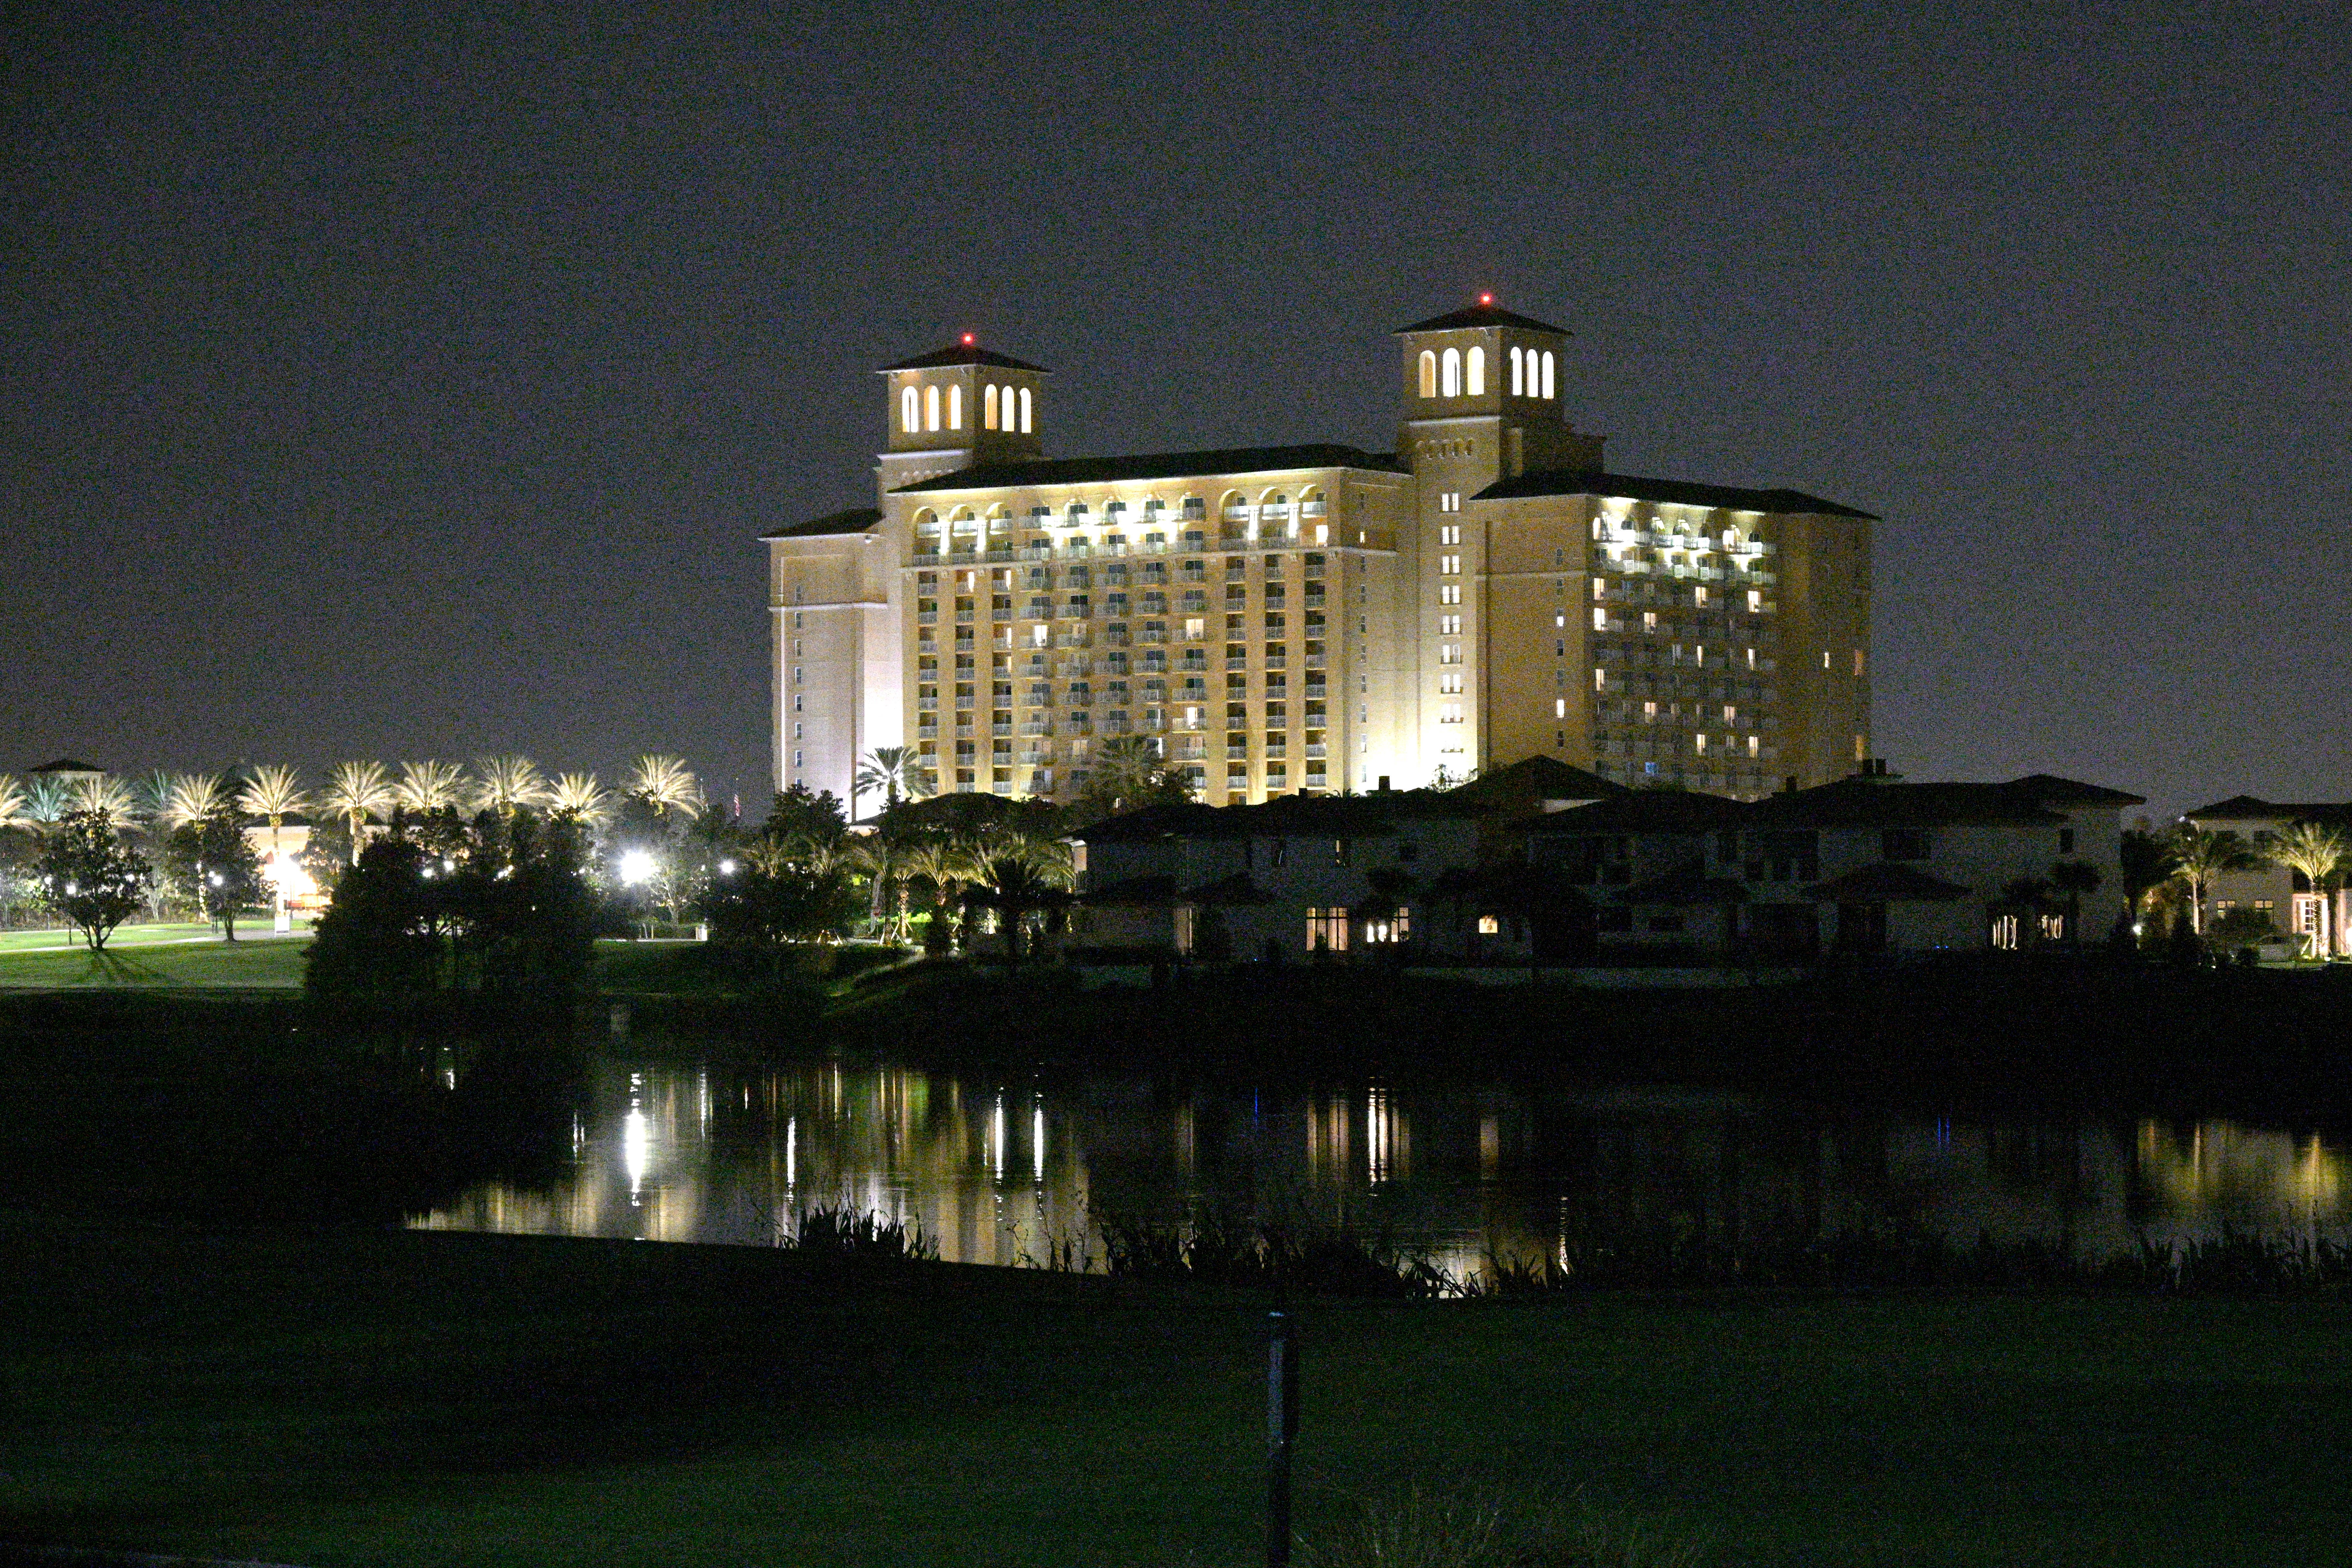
{"x":388,"y":382}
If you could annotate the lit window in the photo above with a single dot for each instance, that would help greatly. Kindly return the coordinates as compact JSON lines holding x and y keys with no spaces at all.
{"x":1518,"y":373}
{"x":931,"y":408}
{"x":1857,"y":664}
{"x":1699,"y":597}
{"x":1428,"y":374}
{"x":1491,"y":925}
{"x":1754,"y":744}
{"x":1755,"y":600}
{"x":988,"y":409}
{"x":1547,"y":374}
{"x":1477,"y":372}
{"x":1649,"y":620}
{"x":1025,"y":411}
{"x":1600,"y":619}
{"x":1601,"y":587}
{"x":910,"y":411}
{"x":1450,"y":373}
{"x":1449,"y":625}
{"x":1560,"y":706}
{"x":1649,"y":713}
{"x":955,"y":407}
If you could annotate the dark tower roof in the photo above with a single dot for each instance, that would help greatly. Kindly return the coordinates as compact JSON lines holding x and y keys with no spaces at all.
{"x":1482,"y":315}
{"x":963,"y":354}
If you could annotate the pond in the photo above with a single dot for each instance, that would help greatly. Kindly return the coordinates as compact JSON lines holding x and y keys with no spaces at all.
{"x":1006,"y":1172}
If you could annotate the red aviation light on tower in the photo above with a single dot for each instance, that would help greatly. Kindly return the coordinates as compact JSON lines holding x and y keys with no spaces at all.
{"x":967,"y":339}
{"x":1486,"y":298}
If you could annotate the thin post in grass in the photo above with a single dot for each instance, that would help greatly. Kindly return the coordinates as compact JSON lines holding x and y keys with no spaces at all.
{"x":1281,"y":1429}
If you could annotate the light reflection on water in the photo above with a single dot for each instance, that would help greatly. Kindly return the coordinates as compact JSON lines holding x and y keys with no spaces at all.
{"x":1002,"y":1172}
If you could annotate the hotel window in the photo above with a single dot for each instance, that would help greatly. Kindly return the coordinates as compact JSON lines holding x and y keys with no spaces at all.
{"x":1428,"y":374}
{"x":1560,"y":706}
{"x":1518,"y":373}
{"x":1755,"y":600}
{"x":955,"y":407}
{"x":1451,"y":533}
{"x":1600,"y":681}
{"x":1450,"y":373}
{"x":1450,"y":684}
{"x":1025,"y":411}
{"x":1477,"y":372}
{"x":1449,"y":653}
{"x":931,"y":408}
{"x":1449,"y":594}
{"x":1327,"y":928}
{"x":1547,"y":374}
{"x":1449,"y":712}
{"x":1600,"y":619}
{"x":988,"y":409}
{"x":910,"y":411}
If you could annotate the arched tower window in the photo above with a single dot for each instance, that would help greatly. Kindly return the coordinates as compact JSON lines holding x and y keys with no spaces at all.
{"x":910,"y":411}
{"x":1450,"y":373}
{"x":931,"y":408}
{"x":988,"y":408}
{"x":1428,"y":374}
{"x":1548,"y":391}
{"x":955,"y":407}
{"x":1518,"y":373}
{"x":1025,"y":411}
{"x":1477,"y":372}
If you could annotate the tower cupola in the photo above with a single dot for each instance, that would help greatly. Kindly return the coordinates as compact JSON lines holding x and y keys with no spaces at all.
{"x":959,"y":407}
{"x":1485,"y":365}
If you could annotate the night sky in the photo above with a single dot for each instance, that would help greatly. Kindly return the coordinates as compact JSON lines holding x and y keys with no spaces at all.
{"x":400,"y":383}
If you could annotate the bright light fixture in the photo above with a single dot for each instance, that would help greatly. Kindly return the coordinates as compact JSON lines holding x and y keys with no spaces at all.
{"x":638,"y":865}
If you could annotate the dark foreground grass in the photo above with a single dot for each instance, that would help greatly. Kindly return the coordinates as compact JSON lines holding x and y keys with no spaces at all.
{"x":328,"y":1398}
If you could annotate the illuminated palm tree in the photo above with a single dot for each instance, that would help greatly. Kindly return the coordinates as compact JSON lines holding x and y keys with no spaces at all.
{"x":153,"y":790}
{"x":2198,"y":856}
{"x":508,"y":782}
{"x":106,"y":797}
{"x":274,"y":792}
{"x":664,"y":784}
{"x":12,"y":802}
{"x":947,"y":864}
{"x":1018,"y":874}
{"x":192,"y":798}
{"x":890,"y":772}
{"x":2315,"y":853}
{"x":582,"y":798}
{"x":46,"y":801}
{"x":356,"y":792}
{"x":428,"y":786}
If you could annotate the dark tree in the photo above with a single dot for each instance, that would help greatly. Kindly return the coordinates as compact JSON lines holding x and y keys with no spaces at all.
{"x":89,"y":877}
{"x":776,"y":897}
{"x":216,"y":864}
{"x":801,"y":813}
{"x":385,"y":930}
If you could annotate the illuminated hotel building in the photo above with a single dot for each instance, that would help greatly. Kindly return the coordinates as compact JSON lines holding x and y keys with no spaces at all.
{"x":1288,"y":619}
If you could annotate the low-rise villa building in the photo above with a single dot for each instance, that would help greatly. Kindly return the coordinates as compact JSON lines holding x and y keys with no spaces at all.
{"x":2267,"y":887}
{"x":1869,"y":865}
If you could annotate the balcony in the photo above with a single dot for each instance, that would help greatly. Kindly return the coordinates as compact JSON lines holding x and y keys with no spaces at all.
{"x":1036,"y":727}
{"x":1315,"y":750}
{"x":964,"y":617}
{"x":1316,"y":691}
{"x":926,"y":731}
{"x":927,"y":617}
{"x":964,"y":644}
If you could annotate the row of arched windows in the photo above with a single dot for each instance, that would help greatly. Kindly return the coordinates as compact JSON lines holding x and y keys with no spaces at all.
{"x":1457,"y":374}
{"x":998,"y":409}
{"x":1006,"y":408}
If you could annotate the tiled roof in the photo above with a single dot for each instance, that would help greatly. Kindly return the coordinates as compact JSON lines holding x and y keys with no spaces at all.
{"x":1872,"y":803}
{"x":2050,"y":789}
{"x":1158,"y":465}
{"x":2250,"y":808}
{"x":963,"y":354}
{"x":1482,"y":316}
{"x":1642,"y":811}
{"x":857,"y":520}
{"x":1634,"y":487}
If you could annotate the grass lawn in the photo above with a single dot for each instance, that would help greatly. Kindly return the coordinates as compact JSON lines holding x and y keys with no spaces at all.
{"x":192,"y":958}
{"x":396,"y":1399}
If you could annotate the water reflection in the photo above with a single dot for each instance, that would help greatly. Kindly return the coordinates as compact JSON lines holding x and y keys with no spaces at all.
{"x":1007,"y":1173}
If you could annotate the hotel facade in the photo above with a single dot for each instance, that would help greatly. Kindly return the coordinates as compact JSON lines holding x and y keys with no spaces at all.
{"x":1308,"y":619}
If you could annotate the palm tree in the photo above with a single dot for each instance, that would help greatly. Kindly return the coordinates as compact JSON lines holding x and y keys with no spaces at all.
{"x":356,"y":792}
{"x":106,"y":797}
{"x":2315,"y":853}
{"x":581,"y":797}
{"x":153,"y":790}
{"x":890,"y":772}
{"x":2198,"y":856}
{"x":428,"y":786}
{"x":664,"y":784}
{"x":193,"y":797}
{"x":508,"y":782}
{"x":2076,"y":880}
{"x":12,"y":802}
{"x":947,"y":864}
{"x":275,"y":794}
{"x":1017,"y":875}
{"x":46,"y":801}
